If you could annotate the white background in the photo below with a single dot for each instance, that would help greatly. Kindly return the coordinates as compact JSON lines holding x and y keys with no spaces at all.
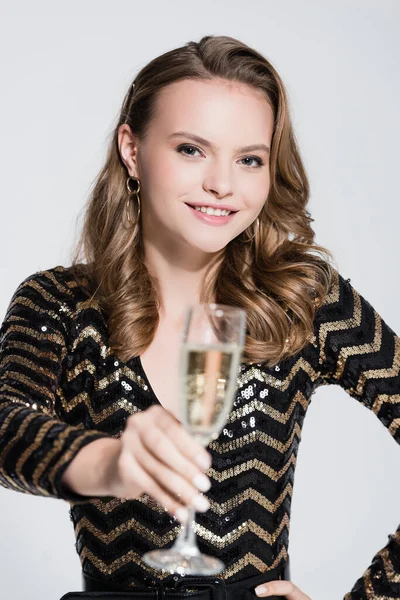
{"x":64,"y":71}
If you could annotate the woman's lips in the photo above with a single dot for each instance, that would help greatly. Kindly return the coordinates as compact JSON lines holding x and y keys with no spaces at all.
{"x":211,"y":219}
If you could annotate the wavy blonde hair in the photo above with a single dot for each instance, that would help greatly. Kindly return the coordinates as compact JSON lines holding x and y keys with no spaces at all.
{"x":279,"y":277}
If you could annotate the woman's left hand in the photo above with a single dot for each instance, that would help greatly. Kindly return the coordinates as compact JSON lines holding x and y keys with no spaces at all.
{"x":281,"y":587}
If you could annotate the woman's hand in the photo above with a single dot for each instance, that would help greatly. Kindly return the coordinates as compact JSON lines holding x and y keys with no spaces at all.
{"x":281,"y":587}
{"x":159,"y":457}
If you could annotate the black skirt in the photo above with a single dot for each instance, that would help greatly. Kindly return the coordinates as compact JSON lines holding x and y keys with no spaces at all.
{"x":192,"y":587}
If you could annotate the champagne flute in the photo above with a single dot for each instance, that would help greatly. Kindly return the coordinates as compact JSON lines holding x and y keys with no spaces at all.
{"x":210,"y":354}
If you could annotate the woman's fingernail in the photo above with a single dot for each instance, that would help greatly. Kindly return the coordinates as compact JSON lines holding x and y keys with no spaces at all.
{"x":202,"y":482}
{"x":204,"y":461}
{"x":182,"y":515}
{"x":200,"y":503}
{"x":261,"y":589}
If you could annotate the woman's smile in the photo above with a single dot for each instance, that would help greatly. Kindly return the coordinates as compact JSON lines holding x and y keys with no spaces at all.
{"x":211,"y":219}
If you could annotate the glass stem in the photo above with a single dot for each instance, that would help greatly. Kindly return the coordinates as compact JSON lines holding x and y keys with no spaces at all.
{"x":186,"y":541}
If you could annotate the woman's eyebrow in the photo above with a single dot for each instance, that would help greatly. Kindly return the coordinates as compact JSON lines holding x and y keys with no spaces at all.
{"x":208,"y":144}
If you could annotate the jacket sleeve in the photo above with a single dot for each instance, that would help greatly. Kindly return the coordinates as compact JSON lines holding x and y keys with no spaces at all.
{"x":35,"y":445}
{"x":357,"y":350}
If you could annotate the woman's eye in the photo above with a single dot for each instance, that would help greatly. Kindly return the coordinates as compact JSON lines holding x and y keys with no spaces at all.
{"x":186,"y":147}
{"x":258,"y":160}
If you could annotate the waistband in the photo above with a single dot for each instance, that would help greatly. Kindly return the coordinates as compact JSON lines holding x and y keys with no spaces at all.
{"x":195,"y":587}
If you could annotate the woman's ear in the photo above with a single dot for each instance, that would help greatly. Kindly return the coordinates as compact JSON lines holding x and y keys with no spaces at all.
{"x":128,"y":146}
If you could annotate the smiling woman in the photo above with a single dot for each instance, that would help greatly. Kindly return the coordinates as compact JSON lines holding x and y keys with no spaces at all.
{"x":214,"y":132}
{"x":89,"y":385}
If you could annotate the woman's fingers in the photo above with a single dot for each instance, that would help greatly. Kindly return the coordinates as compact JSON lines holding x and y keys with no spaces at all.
{"x":281,"y":587}
{"x":157,"y":443}
{"x":180,"y":441}
{"x":169,"y":443}
{"x":177,"y":484}
{"x":129,"y":465}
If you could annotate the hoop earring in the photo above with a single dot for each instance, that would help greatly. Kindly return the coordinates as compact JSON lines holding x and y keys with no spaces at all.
{"x":131,"y":193}
{"x":245,"y":241}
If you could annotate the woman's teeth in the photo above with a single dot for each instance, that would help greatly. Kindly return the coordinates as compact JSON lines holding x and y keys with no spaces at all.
{"x":213,"y":211}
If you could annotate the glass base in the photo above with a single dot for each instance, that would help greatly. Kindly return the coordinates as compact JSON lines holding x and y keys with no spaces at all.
{"x":184,"y":563}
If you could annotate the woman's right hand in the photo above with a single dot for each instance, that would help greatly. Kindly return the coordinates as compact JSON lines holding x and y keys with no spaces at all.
{"x":159,"y":457}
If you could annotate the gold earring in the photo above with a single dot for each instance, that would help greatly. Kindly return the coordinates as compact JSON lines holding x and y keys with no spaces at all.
{"x":131,"y":193}
{"x":245,"y":241}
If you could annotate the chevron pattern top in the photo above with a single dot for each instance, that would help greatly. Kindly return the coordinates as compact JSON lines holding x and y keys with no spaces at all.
{"x":61,"y":387}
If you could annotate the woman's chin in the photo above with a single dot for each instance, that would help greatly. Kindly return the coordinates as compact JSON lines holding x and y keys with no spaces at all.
{"x":209,"y":247}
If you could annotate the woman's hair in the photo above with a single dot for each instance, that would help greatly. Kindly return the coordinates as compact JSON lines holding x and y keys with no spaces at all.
{"x":280,"y":277}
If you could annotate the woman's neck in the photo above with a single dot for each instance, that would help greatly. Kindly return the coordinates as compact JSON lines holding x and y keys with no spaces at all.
{"x":179,"y":280}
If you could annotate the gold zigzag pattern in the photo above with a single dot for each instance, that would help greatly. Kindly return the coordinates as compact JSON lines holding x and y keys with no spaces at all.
{"x":29,"y":364}
{"x":218,"y":508}
{"x":42,"y":390}
{"x":390,"y":573}
{"x":251,"y":494}
{"x":38,"y":335}
{"x":25,"y":347}
{"x":274,"y":382}
{"x":387,"y":372}
{"x":124,"y":371}
{"x":341,"y":325}
{"x":258,"y":435}
{"x":27,"y":453}
{"x":13,"y":484}
{"x":106,"y":507}
{"x":347,"y":351}
{"x":267,"y":409}
{"x":253,"y":373}
{"x":38,"y":310}
{"x":132,"y":556}
{"x":92,"y":332}
{"x":162,"y":540}
{"x":63,"y":289}
{"x":253,"y":463}
{"x":355,"y":350}
{"x":382,"y":398}
{"x":98,"y":418}
{"x":369,"y":590}
{"x":27,"y":402}
{"x":259,"y":405}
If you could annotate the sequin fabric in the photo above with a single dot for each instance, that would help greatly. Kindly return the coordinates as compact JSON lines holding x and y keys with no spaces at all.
{"x":61,"y":387}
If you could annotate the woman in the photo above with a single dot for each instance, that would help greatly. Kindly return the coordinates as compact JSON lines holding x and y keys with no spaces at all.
{"x":88,"y":404}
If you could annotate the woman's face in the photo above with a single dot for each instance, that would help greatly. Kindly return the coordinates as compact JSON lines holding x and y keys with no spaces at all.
{"x":176,"y":170}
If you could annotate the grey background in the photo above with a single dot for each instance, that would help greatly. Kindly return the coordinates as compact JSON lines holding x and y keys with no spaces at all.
{"x":64,"y":70}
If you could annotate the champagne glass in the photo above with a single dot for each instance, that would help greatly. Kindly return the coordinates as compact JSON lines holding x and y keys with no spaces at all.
{"x":211,"y":348}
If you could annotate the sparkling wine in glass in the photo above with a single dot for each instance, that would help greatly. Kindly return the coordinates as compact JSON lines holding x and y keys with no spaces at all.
{"x":211,"y":348}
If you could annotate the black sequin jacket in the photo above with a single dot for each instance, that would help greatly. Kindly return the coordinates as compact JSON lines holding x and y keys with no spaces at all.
{"x":61,"y":387}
